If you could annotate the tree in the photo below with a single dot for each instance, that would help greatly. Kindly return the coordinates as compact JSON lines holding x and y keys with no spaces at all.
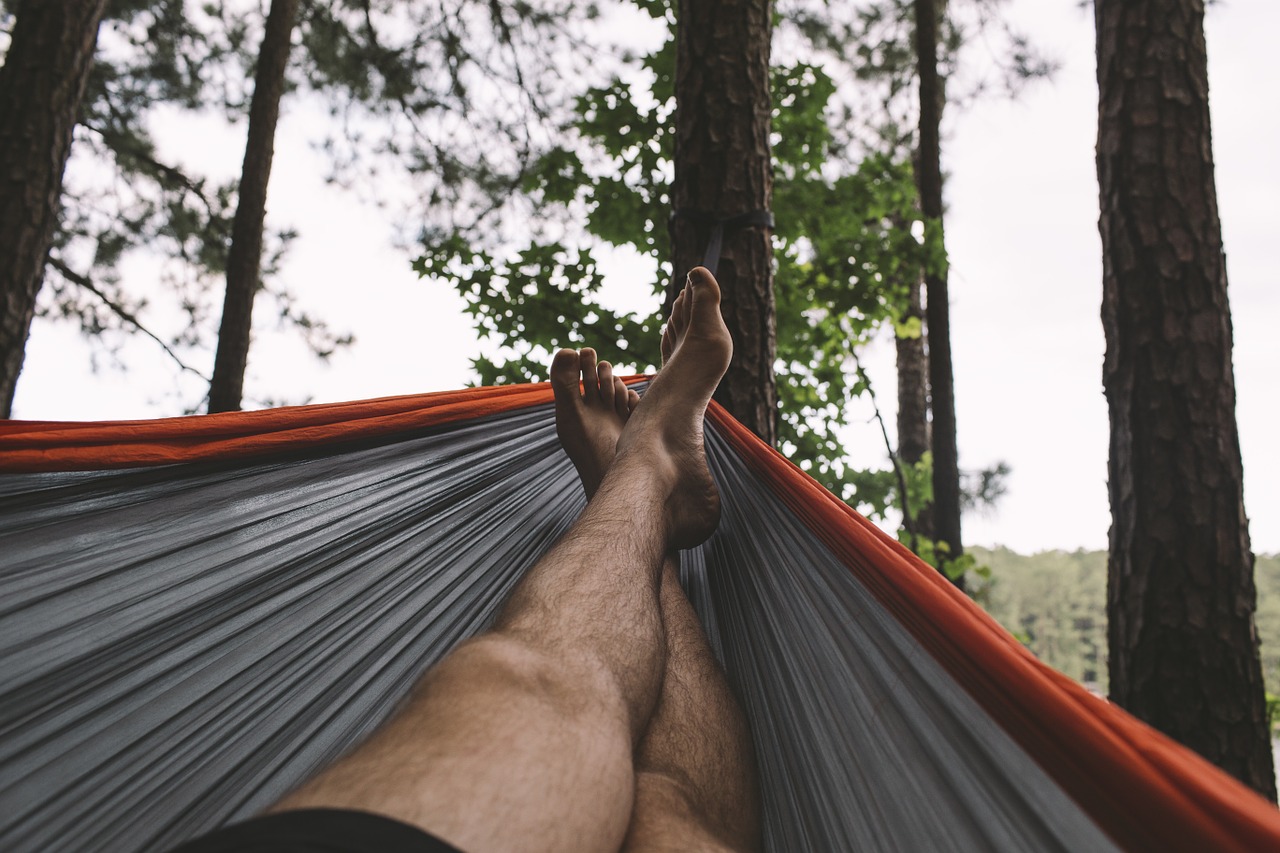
{"x":121,"y":196}
{"x":244,"y":257}
{"x":42,"y":83}
{"x":1180,"y":601}
{"x":723,"y":171}
{"x":449,"y":99}
{"x":844,"y":244}
{"x":877,"y":47}
{"x":914,"y":433}
{"x":945,"y":509}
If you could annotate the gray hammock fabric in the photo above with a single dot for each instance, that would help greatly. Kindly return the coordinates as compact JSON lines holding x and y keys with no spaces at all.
{"x":181,"y":645}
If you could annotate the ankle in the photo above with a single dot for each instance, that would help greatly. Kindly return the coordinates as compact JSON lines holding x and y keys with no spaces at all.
{"x":646,"y":457}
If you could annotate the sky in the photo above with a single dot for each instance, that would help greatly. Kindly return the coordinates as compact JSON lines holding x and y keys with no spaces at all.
{"x":1026,"y":286}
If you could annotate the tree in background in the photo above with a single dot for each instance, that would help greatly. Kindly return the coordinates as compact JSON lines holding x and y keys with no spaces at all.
{"x":122,"y":198}
{"x":842,"y":242}
{"x":244,"y":256}
{"x":1181,"y":598}
{"x":1055,"y":602}
{"x":945,"y":507}
{"x":42,"y":83}
{"x":723,"y":171}
{"x":845,"y":244}
{"x":878,"y":47}
{"x":915,"y":436}
{"x":452,"y":100}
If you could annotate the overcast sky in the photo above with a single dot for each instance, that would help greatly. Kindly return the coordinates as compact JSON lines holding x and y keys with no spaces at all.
{"x":1025,"y":283}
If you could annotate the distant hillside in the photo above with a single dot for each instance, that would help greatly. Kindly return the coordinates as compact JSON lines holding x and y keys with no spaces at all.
{"x":1055,"y":602}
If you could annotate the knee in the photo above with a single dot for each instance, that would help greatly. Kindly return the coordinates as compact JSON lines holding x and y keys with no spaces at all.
{"x":668,"y":817}
{"x":671,"y":805}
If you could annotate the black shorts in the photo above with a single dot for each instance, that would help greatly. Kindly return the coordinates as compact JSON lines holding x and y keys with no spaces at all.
{"x":318,"y":831}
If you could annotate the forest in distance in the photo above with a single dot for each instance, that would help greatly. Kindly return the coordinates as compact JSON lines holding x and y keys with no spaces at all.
{"x":1055,"y":603}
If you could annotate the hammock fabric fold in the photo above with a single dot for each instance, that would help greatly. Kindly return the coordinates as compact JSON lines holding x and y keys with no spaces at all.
{"x":198,"y":613}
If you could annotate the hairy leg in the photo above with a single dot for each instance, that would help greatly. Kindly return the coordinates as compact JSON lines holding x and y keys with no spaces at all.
{"x":522,"y":739}
{"x":696,"y":782}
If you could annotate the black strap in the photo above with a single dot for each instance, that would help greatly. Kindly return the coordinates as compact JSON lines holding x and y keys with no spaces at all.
{"x":711,"y":258}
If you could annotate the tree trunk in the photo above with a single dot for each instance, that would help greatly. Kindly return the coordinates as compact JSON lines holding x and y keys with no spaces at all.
{"x":1180,"y":600}
{"x":244,"y":257}
{"x":946,"y":472}
{"x":723,"y":169}
{"x":42,"y":83}
{"x":913,"y":410}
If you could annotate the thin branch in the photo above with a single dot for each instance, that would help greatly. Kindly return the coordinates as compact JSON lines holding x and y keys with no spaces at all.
{"x":119,"y":143}
{"x":523,"y":153}
{"x":907,"y":521}
{"x":120,"y":311}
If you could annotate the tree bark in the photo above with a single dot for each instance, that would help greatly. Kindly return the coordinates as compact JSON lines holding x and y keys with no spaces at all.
{"x":42,"y":83}
{"x":723,"y":169}
{"x":244,"y":257}
{"x":1180,"y":600}
{"x":946,"y":471}
{"x":913,"y":384}
{"x":913,"y":408}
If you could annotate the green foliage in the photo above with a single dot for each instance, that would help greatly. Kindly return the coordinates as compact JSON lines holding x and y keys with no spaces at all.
{"x":843,"y":247}
{"x":871,"y":45}
{"x":844,"y":254}
{"x":452,"y":99}
{"x":845,"y":206}
{"x":122,"y":198}
{"x":1266,"y":577}
{"x":505,"y":303}
{"x":1055,"y":602}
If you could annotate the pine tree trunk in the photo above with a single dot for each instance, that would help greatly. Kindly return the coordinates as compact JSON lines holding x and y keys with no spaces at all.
{"x":946,"y":472}
{"x":913,"y":408}
{"x":42,"y":83}
{"x":244,"y":257}
{"x":1180,"y":601}
{"x":723,"y":169}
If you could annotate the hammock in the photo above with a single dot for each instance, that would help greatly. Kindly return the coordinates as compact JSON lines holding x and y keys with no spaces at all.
{"x":198,"y":613}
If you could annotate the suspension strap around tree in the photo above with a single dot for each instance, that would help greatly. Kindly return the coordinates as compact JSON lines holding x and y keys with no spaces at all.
{"x":711,"y":257}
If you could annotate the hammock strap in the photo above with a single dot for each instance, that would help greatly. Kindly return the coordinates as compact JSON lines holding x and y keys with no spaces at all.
{"x":711,"y":257}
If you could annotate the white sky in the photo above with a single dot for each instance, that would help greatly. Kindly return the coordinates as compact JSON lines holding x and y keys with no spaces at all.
{"x":1025,"y":283}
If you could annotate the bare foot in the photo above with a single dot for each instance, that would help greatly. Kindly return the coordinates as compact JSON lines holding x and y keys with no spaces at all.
{"x":664,"y":433}
{"x":589,"y":415}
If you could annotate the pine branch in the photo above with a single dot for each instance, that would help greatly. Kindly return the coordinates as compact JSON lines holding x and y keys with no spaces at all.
{"x":122,"y":144}
{"x":120,"y":311}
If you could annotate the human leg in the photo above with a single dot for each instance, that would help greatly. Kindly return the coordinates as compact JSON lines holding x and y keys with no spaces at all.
{"x":523,"y":738}
{"x":696,"y":783}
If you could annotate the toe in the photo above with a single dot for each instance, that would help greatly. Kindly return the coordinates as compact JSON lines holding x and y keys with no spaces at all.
{"x":686,"y":307}
{"x":604,"y":373}
{"x":564,"y":376}
{"x":620,"y":397}
{"x":590,"y":381}
{"x":633,"y":400}
{"x":679,"y":314}
{"x":668,"y":342}
{"x":704,"y":294}
{"x":702,"y":309}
